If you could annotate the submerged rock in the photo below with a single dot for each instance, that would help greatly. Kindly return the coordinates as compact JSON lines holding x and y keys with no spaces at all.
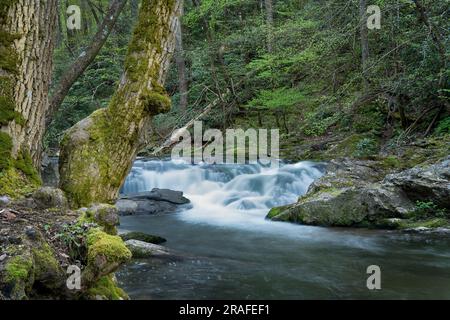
{"x":157,"y":201}
{"x":141,"y":249}
{"x":353,"y":193}
{"x":142,"y":237}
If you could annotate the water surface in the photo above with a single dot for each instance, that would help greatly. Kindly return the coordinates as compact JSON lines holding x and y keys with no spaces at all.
{"x":232,"y":252}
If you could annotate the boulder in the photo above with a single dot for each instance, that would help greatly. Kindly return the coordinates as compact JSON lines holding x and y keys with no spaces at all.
{"x":141,"y":250}
{"x":425,"y":183}
{"x":104,"y":215}
{"x":353,"y":194}
{"x":175,"y":197}
{"x":157,"y":201}
{"x":47,"y":197}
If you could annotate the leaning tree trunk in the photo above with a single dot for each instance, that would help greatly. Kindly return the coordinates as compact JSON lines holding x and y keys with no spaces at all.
{"x":27,"y":29}
{"x":97,"y":153}
{"x":76,"y":69}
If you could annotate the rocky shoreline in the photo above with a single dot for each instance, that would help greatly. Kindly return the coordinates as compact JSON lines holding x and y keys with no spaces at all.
{"x":356,"y":193}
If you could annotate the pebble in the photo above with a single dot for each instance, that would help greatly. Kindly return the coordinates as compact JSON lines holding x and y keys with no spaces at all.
{"x":3,"y":257}
{"x":31,"y":232}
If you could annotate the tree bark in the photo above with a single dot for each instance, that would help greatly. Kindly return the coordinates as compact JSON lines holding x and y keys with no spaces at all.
{"x":181,"y":67}
{"x":85,"y":59}
{"x":98,"y":152}
{"x":364,"y":41}
{"x":25,"y":79}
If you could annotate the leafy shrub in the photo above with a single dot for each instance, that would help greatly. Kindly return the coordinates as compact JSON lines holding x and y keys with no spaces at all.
{"x":443,"y":127}
{"x":426,"y":210}
{"x":365,"y":148}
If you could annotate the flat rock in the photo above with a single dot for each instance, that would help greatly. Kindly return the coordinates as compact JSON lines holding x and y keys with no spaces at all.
{"x":141,"y":249}
{"x":157,"y":201}
{"x":175,"y":197}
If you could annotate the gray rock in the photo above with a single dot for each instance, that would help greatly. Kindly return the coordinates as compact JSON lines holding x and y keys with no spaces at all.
{"x":175,"y":197}
{"x":48,"y":197}
{"x":4,"y":201}
{"x":142,"y":237}
{"x":351,"y":195}
{"x":157,"y":201}
{"x":425,"y":183}
{"x":141,"y":249}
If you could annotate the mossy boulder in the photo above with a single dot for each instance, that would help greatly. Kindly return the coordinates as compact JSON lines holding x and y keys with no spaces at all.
{"x":106,"y":253}
{"x":106,"y":289}
{"x":105,"y":215}
{"x":354,"y":194}
{"x":47,"y":198}
{"x":31,"y":269}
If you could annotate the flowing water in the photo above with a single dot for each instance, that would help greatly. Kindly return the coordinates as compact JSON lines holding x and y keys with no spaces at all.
{"x":231,"y":252}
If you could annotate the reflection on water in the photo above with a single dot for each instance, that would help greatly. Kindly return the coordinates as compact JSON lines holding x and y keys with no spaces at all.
{"x":232,"y":252}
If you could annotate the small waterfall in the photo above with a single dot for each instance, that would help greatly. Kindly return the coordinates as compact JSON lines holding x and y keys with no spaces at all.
{"x":225,"y":194}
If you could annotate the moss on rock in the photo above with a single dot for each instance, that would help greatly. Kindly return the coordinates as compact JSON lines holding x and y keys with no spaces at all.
{"x":106,"y":289}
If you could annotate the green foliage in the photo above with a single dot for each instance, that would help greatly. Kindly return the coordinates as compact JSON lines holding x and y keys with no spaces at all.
{"x":427,"y":210}
{"x":443,"y":127}
{"x":366,"y":148}
{"x":74,"y":238}
{"x":278,"y":99}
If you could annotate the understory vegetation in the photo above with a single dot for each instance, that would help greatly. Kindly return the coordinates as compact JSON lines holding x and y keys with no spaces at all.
{"x":301,"y":73}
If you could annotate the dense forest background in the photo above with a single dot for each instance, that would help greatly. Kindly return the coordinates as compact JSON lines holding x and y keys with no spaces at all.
{"x":310,"y":68}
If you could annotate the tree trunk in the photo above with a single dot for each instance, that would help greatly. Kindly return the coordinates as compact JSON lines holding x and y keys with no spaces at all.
{"x":269,"y":22}
{"x":26,"y":47}
{"x":98,"y":152}
{"x":181,"y":66}
{"x":364,"y":41}
{"x":85,"y":59}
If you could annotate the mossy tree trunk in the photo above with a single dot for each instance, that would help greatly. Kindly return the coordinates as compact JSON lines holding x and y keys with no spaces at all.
{"x":27,"y":37}
{"x":97,"y":153}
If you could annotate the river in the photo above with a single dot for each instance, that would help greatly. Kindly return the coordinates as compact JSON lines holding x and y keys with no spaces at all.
{"x":232,"y":252}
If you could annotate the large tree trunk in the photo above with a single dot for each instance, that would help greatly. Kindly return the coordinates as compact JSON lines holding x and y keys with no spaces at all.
{"x":181,"y":67}
{"x":85,"y":59}
{"x":28,"y":38}
{"x":97,"y":153}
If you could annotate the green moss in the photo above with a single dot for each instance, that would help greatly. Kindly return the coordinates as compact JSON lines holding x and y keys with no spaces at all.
{"x":106,"y":288}
{"x":112,"y":248}
{"x":276,"y":212}
{"x":155,"y":103}
{"x":5,"y":151}
{"x":18,"y":268}
{"x":45,"y":262}
{"x":25,"y":164}
{"x":98,"y":214}
{"x":14,"y":183}
{"x":428,"y":223}
{"x":391,"y":162}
